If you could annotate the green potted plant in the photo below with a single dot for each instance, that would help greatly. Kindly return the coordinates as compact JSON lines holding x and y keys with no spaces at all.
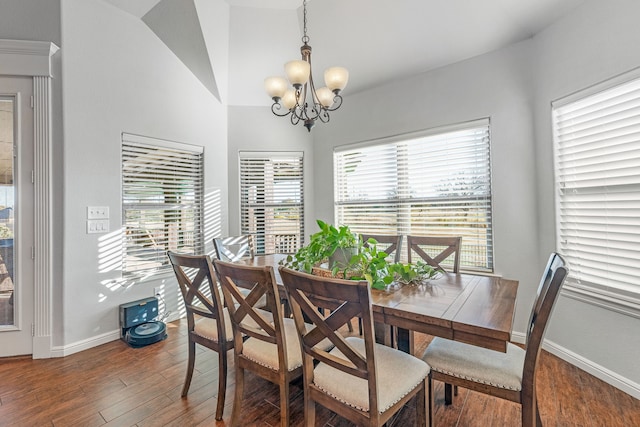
{"x":355,"y":260}
{"x":331,"y":245}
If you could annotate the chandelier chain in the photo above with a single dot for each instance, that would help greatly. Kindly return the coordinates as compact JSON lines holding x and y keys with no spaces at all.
{"x":305,"y":37}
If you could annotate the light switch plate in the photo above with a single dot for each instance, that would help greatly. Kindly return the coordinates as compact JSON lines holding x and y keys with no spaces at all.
{"x":97,"y":212}
{"x":95,"y":226}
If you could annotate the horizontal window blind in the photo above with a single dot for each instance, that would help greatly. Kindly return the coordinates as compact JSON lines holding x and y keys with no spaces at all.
{"x":597,"y":159}
{"x":437,"y":184}
{"x":162,"y":201}
{"x":272,"y":200}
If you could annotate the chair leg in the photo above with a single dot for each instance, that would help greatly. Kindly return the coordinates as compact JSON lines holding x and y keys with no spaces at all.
{"x":431,"y":401}
{"x":190,"y":365}
{"x":237,"y":400}
{"x":309,"y":411}
{"x":530,"y":413}
{"x":222,"y":382}
{"x":421,"y":405}
{"x":284,"y":403}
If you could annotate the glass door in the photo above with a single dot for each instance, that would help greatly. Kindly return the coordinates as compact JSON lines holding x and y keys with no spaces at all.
{"x":7,"y":205}
{"x":16,"y":216}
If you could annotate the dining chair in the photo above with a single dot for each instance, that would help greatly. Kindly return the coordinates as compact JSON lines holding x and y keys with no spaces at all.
{"x":394,"y":243}
{"x":510,"y":375}
{"x":436,"y":249}
{"x":265,"y":342}
{"x":364,"y":382}
{"x":208,"y":322}
{"x":233,"y":248}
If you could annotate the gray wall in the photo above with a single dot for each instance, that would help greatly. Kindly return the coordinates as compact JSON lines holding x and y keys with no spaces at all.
{"x":597,"y":42}
{"x":122,"y":81}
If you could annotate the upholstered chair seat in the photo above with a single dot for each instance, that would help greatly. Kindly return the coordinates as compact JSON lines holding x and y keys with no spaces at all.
{"x":477,"y":364}
{"x":398,"y":374}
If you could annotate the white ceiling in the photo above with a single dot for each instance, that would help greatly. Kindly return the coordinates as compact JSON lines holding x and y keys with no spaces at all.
{"x":378,"y":41}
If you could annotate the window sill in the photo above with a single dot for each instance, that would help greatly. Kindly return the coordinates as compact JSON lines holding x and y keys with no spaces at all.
{"x":626,"y":304}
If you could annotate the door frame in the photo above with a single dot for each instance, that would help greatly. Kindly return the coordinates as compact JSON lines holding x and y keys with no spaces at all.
{"x":33,"y":59}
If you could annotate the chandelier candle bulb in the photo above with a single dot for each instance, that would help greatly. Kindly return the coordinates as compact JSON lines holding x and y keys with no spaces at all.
{"x":289,"y":99}
{"x":297,"y":72}
{"x":275,"y":87}
{"x":336,"y":78}
{"x":304,"y":103}
{"x":325,"y":96}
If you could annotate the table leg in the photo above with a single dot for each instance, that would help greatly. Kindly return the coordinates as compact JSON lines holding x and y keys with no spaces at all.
{"x":405,"y":340}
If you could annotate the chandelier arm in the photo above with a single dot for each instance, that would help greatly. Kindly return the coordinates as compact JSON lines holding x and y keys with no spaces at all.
{"x":324,"y":115}
{"x":337,"y":102}
{"x":276,"y":107}
{"x":295,"y":119}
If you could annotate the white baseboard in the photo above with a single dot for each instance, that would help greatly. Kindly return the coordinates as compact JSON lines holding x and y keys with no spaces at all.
{"x":618,"y":381}
{"x":78,"y":346}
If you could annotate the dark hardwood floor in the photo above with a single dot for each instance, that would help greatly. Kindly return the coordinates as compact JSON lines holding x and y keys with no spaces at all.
{"x":115,"y":385}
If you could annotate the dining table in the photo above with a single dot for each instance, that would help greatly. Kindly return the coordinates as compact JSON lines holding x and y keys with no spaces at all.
{"x":472,"y":308}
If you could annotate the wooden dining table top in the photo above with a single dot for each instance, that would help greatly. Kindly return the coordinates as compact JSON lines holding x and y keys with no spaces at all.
{"x":475,"y":309}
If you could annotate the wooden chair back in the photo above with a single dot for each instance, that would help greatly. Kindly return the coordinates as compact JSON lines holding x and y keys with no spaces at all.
{"x":233,"y":248}
{"x":309,"y":296}
{"x":247,"y":317}
{"x":446,"y":246}
{"x":551,"y":282}
{"x":394,"y":243}
{"x":197,"y":280}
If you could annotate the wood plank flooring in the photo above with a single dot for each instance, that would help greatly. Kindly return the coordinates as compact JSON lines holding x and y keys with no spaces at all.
{"x":114,"y":385}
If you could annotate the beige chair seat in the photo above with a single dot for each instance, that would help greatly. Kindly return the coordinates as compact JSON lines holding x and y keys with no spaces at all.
{"x":208,"y":328}
{"x":469,"y":362}
{"x":266,"y":354}
{"x":398,"y":374}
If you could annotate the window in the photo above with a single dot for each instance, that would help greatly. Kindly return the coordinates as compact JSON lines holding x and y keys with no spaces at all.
{"x":597,"y":159}
{"x":435,"y":183}
{"x":272,"y":200}
{"x":162,"y":192}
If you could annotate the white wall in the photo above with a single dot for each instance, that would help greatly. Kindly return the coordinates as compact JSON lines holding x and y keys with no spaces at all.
{"x":597,"y":42}
{"x":119,"y":77}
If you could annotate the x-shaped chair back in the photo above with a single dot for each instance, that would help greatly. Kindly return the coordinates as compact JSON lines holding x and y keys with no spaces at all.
{"x":446,"y":245}
{"x":309,"y":297}
{"x":233,"y":248}
{"x":197,"y":280}
{"x":394,"y":242}
{"x":247,"y":318}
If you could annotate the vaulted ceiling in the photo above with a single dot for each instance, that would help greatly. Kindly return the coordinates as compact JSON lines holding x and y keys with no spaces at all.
{"x":378,"y":41}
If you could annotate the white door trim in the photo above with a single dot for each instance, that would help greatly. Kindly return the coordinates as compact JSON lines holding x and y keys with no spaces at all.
{"x":33,"y":58}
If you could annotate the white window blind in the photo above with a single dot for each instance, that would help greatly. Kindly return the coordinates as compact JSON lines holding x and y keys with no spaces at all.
{"x":162,"y":199}
{"x":272,"y":200}
{"x":597,"y":155}
{"x":437,"y":183}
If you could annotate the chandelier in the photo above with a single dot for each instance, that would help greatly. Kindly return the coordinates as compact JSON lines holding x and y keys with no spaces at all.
{"x":303,"y":102}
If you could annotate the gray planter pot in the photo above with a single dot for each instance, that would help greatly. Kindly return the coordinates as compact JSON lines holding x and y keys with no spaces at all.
{"x":342,"y":256}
